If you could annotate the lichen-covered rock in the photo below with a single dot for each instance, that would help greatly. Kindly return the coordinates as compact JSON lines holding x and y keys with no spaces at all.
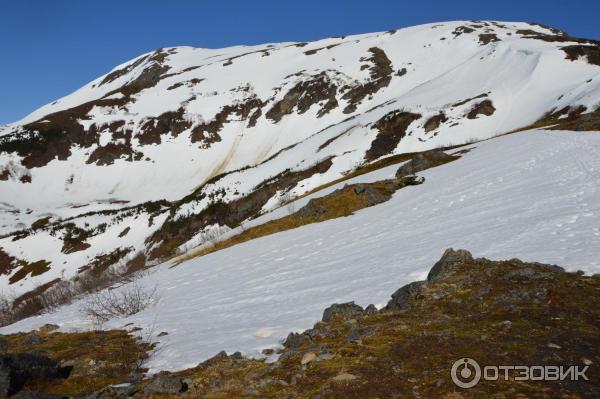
{"x":166,"y":384}
{"x":446,"y":265}
{"x":348,"y":310}
{"x":401,"y":298}
{"x":423,"y":161}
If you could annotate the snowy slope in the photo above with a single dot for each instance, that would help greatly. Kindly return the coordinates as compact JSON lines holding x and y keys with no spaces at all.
{"x":533,"y":195}
{"x":197,"y":127}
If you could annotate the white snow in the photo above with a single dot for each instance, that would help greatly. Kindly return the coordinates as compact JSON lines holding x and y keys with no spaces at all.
{"x":533,"y":195}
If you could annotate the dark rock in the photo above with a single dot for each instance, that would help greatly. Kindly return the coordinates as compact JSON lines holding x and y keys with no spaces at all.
{"x":166,"y":384}
{"x":312,"y":209}
{"x":371,"y":309}
{"x":374,"y":196}
{"x":356,"y":334}
{"x":448,"y":262}
{"x":295,"y":340}
{"x":3,"y":345}
{"x":423,"y":161}
{"x":19,"y":369}
{"x":348,"y":310}
{"x":4,"y":380}
{"x":483,"y":108}
{"x":411,"y":180}
{"x":401,"y":298}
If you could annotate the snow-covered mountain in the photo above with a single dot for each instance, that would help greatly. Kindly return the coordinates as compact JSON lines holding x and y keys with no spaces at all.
{"x":139,"y":164}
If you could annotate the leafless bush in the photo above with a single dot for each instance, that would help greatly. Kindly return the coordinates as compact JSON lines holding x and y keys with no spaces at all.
{"x":212,"y":235}
{"x":123,"y":301}
{"x":287,"y":200}
{"x":13,"y":309}
{"x":6,"y":310}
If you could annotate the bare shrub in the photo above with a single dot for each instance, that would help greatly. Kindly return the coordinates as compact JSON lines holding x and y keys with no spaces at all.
{"x":63,"y":292}
{"x":287,"y":200}
{"x":6,"y":310}
{"x":123,"y":301}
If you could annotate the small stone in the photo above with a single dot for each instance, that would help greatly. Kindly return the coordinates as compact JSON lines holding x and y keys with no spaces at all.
{"x":268,"y":351}
{"x":587,"y":362}
{"x":325,"y":356}
{"x":554,"y":346}
{"x":162,"y":334}
{"x":344,"y":377}
{"x":308,"y":357}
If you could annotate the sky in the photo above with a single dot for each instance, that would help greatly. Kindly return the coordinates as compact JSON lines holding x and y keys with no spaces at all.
{"x":51,"y":48}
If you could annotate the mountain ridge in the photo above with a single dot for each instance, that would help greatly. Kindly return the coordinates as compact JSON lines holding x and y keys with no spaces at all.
{"x":167,"y":144}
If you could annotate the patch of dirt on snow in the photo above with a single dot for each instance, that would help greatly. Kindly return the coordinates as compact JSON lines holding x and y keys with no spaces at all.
{"x":392,"y":128}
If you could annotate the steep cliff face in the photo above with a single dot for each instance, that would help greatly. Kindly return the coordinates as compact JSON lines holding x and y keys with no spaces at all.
{"x":142,"y":162}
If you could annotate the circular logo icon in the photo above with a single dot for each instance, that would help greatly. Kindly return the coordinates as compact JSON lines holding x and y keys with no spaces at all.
{"x":465,"y":373}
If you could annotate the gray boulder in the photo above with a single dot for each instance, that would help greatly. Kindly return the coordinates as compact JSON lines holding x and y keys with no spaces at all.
{"x":166,"y":384}
{"x":447,"y":263}
{"x":348,"y":310}
{"x":401,"y":298}
{"x":423,"y":161}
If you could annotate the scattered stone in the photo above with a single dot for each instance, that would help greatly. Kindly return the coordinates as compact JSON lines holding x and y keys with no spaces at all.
{"x":162,"y":334}
{"x":554,"y":346}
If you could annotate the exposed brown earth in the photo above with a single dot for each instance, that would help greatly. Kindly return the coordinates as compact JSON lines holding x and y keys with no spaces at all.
{"x":392,"y":128}
{"x":380,"y":73}
{"x":483,"y":108}
{"x":304,"y":95}
{"x":434,"y":122}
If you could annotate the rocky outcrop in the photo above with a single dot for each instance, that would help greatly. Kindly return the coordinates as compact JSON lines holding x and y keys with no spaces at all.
{"x":423,"y":161}
{"x":392,"y":128}
{"x":17,"y":370}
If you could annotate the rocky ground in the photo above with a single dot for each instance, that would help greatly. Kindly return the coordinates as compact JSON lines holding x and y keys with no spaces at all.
{"x":496,"y":312}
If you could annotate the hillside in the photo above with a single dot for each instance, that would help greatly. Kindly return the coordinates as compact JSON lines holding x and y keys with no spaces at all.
{"x":495,"y":312}
{"x":531,"y":195}
{"x":178,"y":146}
